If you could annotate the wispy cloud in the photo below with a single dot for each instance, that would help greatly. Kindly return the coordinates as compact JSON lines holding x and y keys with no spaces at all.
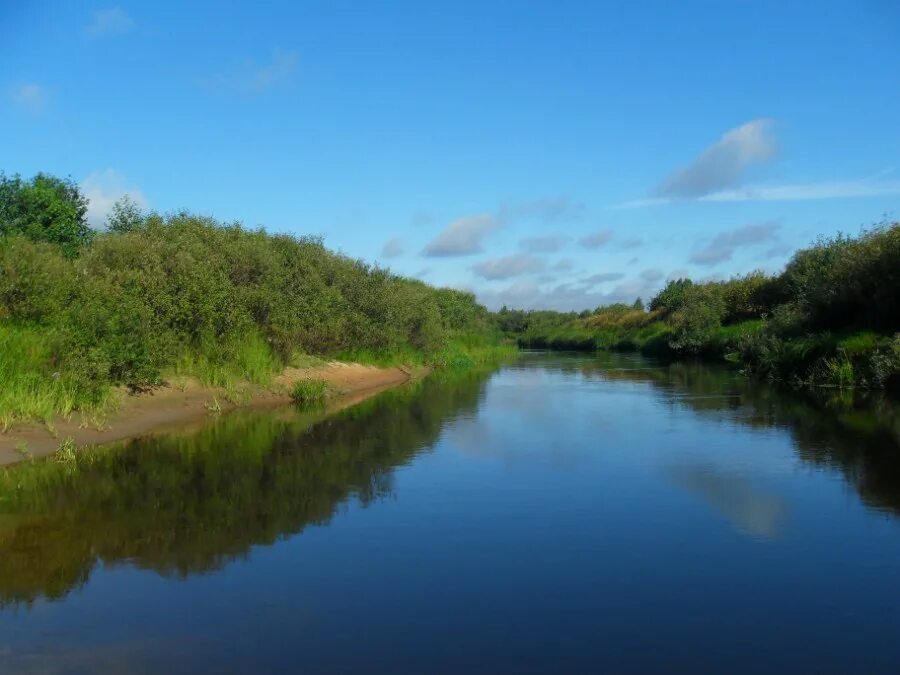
{"x":256,"y":78}
{"x":631,"y":242}
{"x":30,"y":97}
{"x":280,"y":68}
{"x":106,"y":22}
{"x":103,"y":189}
{"x":601,"y":278}
{"x":392,"y":248}
{"x":865,"y":187}
{"x":724,"y":244}
{"x":550,"y":244}
{"x":596,"y":239}
{"x":528,"y":294}
{"x":651,"y":276}
{"x":461,"y":237}
{"x":508,"y":267}
{"x":724,"y":164}
{"x":546,"y":209}
{"x":843,"y":189}
{"x":421,"y":218}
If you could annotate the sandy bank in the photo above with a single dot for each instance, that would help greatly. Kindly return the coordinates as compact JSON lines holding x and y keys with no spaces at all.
{"x":168,"y":407}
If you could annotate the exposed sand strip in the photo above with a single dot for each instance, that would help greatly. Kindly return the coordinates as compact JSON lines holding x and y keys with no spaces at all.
{"x":174,"y":407}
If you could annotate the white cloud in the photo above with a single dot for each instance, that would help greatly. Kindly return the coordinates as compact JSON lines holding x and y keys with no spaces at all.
{"x":31,"y":97}
{"x":392,"y":248}
{"x":103,"y":189}
{"x":461,"y":237}
{"x":112,"y":21}
{"x":724,"y":164}
{"x":597,"y":239}
{"x":723,"y":245}
{"x":511,"y":266}
{"x":549,"y":244}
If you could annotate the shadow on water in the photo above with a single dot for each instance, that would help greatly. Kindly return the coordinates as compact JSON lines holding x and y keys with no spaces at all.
{"x":855,"y":432}
{"x":191,"y":503}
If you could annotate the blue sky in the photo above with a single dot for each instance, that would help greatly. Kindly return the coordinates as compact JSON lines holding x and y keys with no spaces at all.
{"x":558,"y":154}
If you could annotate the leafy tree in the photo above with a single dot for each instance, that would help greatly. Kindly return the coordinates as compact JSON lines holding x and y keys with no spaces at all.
{"x":698,"y":319}
{"x":638,"y":304}
{"x":125,"y":216}
{"x":45,"y":208}
{"x":672,"y":297}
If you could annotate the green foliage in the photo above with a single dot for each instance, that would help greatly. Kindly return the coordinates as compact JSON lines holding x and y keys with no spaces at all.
{"x":187,"y":295}
{"x":66,"y":453}
{"x":33,"y":386}
{"x":467,"y":351}
{"x":517,"y":321}
{"x":837,"y":372}
{"x":698,"y":319}
{"x":125,"y":216}
{"x":830,"y":318}
{"x":307,"y":392}
{"x":45,"y":208}
{"x":671,"y":297}
{"x":848,"y":281}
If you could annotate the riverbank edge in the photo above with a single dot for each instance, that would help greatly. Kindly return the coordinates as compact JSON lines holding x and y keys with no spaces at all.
{"x":173,"y":406}
{"x":848,"y":359}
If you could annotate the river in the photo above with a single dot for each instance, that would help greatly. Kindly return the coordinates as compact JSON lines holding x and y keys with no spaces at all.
{"x":564,"y":513}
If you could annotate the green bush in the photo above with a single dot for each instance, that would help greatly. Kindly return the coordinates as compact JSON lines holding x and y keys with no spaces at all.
{"x":672,"y":297}
{"x":830,"y":318}
{"x":698,"y":319}
{"x":185,"y":294}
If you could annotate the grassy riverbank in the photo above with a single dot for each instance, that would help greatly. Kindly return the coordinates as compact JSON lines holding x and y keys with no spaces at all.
{"x":830,"y":318}
{"x":154,"y":298}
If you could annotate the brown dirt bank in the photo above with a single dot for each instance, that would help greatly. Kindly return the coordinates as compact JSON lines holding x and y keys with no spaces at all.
{"x":175,"y":407}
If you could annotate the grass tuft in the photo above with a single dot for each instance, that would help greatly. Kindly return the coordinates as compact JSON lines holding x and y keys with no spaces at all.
{"x":309,"y":392}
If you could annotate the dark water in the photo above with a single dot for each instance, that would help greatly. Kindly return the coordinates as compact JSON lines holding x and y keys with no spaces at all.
{"x":565,"y":514}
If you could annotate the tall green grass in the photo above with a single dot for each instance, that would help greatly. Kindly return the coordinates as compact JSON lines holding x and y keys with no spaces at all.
{"x":30,"y":385}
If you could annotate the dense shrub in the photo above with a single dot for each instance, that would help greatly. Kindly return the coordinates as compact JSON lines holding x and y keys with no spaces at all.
{"x":848,"y":281}
{"x":698,"y":318}
{"x":188,"y":294}
{"x":671,"y":298}
{"x":832,"y":317}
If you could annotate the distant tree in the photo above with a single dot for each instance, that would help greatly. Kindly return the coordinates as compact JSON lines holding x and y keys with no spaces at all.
{"x":46,"y":208}
{"x":125,"y":216}
{"x":638,"y":304}
{"x":672,"y":297}
{"x":698,"y":318}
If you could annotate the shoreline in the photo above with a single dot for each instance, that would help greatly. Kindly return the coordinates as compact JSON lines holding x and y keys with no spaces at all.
{"x":171,"y":407}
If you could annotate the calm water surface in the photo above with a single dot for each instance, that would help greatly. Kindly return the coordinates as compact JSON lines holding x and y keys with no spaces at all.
{"x":564,"y":514}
